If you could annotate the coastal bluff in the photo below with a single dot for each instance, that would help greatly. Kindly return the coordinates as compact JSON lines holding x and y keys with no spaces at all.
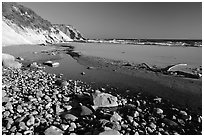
{"x":21,"y":25}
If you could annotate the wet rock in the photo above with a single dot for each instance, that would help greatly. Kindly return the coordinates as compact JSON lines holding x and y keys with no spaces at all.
{"x":53,"y":131}
{"x":51,"y":64}
{"x":83,"y":73}
{"x":20,"y":58}
{"x":105,"y":100}
{"x":110,"y":132}
{"x":90,"y":67}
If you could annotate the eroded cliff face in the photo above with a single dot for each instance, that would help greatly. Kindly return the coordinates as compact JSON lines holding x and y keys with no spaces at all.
{"x":70,"y":31}
{"x":21,"y":25}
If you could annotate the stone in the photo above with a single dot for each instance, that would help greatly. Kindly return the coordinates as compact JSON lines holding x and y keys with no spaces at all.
{"x":158,"y":99}
{"x":3,"y":93}
{"x":28,"y":132}
{"x":64,"y":127}
{"x":90,"y":67}
{"x":130,"y":119}
{"x":115,"y":117}
{"x":110,"y":132}
{"x":104,"y":100}
{"x":68,"y":107}
{"x":6,"y":113}
{"x":152,"y":126}
{"x":183,"y":113}
{"x":85,"y":111}
{"x":20,"y":109}
{"x":31,"y":121}
{"x":73,"y":125}
{"x":33,"y":65}
{"x":83,"y":73}
{"x":51,"y":64}
{"x":170,"y":122}
{"x":135,"y":124}
{"x":52,"y":130}
{"x":23,"y":126}
{"x":70,"y":117}
{"x":58,"y":109}
{"x":13,"y":129}
{"x":136,"y":114}
{"x":20,"y":58}
{"x":159,"y":111}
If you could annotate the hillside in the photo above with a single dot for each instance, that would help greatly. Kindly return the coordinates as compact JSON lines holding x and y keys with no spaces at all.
{"x":21,"y":25}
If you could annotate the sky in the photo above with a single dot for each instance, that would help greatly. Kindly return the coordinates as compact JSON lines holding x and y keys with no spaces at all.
{"x":126,"y":20}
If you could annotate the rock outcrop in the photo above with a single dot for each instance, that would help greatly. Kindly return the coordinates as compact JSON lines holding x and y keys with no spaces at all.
{"x":21,"y":25}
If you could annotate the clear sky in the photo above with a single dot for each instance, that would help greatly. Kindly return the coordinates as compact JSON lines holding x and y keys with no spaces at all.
{"x":126,"y":20}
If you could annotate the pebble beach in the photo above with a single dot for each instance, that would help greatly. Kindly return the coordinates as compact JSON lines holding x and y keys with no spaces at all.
{"x":38,"y":103}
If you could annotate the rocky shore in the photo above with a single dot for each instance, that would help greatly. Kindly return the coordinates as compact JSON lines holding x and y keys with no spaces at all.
{"x":35,"y":102}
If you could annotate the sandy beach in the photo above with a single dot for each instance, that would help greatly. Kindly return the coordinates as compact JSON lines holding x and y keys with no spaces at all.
{"x":131,"y":77}
{"x":114,"y":97}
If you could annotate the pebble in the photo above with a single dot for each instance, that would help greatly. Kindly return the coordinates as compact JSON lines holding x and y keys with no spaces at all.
{"x":136,"y":114}
{"x":64,"y":127}
{"x":83,"y":73}
{"x":34,"y":108}
{"x":130,"y":119}
{"x":23,"y":126}
{"x":115,"y":117}
{"x":6,"y":113}
{"x":31,"y":121}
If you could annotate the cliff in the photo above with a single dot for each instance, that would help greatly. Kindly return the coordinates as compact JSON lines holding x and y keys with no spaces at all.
{"x":21,"y":25}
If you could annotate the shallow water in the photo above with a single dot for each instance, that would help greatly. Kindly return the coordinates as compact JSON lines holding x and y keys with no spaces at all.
{"x":154,"y":55}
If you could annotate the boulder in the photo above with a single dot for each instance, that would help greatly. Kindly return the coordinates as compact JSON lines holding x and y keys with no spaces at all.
{"x":53,"y":131}
{"x":104,"y":100}
{"x":9,"y":61}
